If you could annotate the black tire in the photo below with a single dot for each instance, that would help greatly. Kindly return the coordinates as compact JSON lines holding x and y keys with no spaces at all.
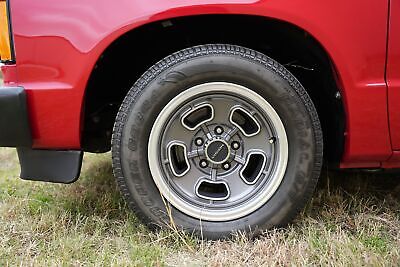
{"x":217,"y":63}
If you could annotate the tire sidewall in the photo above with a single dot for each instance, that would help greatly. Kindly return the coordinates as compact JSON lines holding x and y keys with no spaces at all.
{"x":156,"y":89}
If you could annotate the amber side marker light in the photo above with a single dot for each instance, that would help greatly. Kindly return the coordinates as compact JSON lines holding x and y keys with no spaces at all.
{"x":6,"y":53}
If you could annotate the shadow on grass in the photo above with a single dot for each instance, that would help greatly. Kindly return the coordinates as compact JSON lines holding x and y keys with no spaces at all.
{"x":338,"y":194}
{"x":374,"y":182}
{"x":96,"y":192}
{"x":344,"y":194}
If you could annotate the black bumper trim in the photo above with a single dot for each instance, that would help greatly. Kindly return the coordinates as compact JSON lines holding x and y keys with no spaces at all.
{"x":14,"y":121}
{"x":50,"y":165}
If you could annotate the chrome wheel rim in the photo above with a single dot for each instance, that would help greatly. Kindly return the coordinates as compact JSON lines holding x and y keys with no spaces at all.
{"x":218,"y":151}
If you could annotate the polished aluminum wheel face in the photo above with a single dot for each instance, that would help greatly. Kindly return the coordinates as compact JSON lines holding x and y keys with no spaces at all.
{"x":218,"y":151}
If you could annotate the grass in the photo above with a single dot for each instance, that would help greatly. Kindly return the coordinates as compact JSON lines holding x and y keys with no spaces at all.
{"x":353,"y":219}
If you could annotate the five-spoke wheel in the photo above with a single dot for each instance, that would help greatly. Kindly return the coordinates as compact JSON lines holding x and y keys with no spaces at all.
{"x":218,"y":151}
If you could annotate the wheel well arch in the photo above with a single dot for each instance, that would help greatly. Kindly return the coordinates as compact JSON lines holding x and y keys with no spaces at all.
{"x":131,"y":54}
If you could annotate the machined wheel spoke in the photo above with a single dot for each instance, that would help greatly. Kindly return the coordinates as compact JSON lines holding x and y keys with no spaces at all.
{"x":222,"y":107}
{"x":195,"y":153}
{"x":236,"y":185}
{"x":260,"y":141}
{"x":206,"y":131}
{"x":187,"y":183}
{"x":240,"y":160}
{"x":178,"y":133}
{"x":214,"y":174}
{"x":228,"y":136}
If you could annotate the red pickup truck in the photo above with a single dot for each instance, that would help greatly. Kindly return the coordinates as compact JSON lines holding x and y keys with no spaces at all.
{"x":219,"y":113}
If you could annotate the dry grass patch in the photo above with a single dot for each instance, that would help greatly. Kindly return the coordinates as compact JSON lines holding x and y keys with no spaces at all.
{"x":353,"y":219}
{"x":348,"y":225}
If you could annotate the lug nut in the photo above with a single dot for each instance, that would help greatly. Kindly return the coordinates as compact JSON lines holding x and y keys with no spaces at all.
{"x":203,"y":163}
{"x":226,"y":166}
{"x":199,"y":141}
{"x":235,"y":145}
{"x":218,"y":130}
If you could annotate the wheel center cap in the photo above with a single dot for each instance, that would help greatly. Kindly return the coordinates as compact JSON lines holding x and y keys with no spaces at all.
{"x":217,"y":151}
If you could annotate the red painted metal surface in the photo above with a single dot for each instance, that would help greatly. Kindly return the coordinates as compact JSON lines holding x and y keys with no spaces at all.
{"x":392,"y":162}
{"x":393,"y":73}
{"x":58,"y":42}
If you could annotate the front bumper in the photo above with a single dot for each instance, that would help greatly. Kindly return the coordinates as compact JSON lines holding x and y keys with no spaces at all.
{"x":14,"y":121}
{"x":39,"y":165}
